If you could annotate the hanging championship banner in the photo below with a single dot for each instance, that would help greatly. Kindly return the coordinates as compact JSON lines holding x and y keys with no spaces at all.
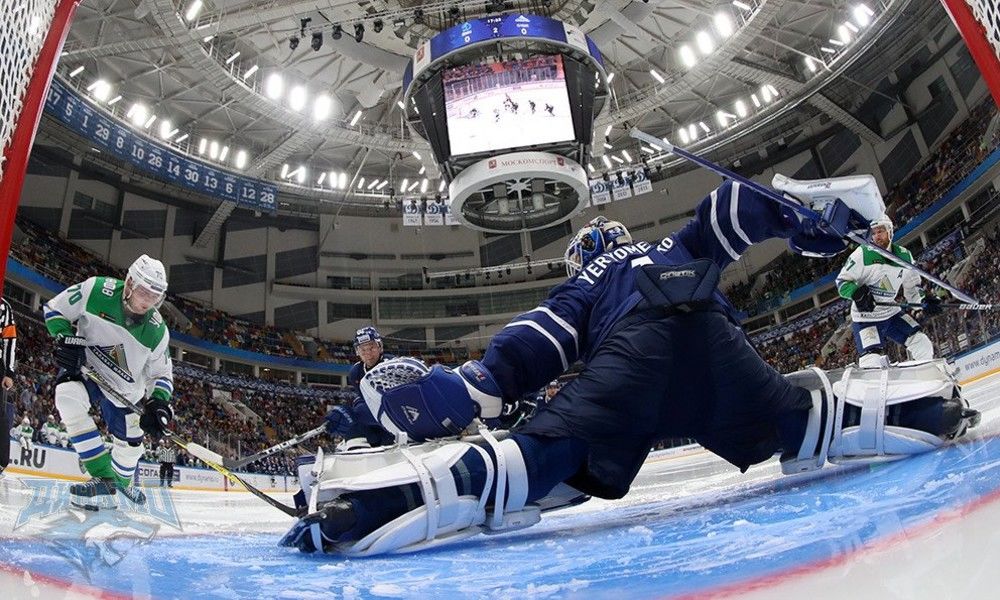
{"x":621,"y":186}
{"x":449,"y":217}
{"x":411,"y":213}
{"x":641,"y":183}
{"x":599,"y":192}
{"x":435,"y":213}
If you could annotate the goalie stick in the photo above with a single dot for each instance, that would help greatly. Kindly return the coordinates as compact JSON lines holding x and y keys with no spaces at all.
{"x":212,"y":459}
{"x":242,"y":462}
{"x":799,"y":208}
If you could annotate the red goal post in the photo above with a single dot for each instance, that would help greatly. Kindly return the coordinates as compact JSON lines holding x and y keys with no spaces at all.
{"x":32,"y":33}
{"x":979,"y":23}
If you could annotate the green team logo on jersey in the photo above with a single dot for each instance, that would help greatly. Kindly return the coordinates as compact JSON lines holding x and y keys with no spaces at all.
{"x":113,"y":357}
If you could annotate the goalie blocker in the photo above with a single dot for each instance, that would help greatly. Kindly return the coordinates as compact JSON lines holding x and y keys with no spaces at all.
{"x":408,"y":498}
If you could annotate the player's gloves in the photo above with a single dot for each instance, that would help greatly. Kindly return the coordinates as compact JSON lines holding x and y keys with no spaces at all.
{"x":339,"y":421}
{"x":931,"y":305}
{"x":864,"y":299}
{"x":156,"y":416}
{"x":70,"y":352}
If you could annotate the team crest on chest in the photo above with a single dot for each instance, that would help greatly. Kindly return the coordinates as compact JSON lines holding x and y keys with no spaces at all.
{"x":113,"y":357}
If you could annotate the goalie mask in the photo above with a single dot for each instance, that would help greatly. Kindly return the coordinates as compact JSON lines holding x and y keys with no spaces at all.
{"x":145,"y":285}
{"x":596,"y":238}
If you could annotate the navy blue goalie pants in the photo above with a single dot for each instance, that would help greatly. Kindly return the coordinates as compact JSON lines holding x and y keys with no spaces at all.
{"x":659,"y":375}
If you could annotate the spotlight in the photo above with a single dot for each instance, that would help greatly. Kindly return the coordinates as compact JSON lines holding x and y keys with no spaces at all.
{"x":317,"y":41}
{"x":359,"y":32}
{"x":377,"y":26}
{"x":337,"y":30}
{"x":293,"y":43}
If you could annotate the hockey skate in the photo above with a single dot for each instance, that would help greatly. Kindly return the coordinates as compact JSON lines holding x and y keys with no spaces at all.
{"x":95,"y":494}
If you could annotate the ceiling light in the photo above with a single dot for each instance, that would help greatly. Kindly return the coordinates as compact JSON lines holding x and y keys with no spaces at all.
{"x":241,"y":159}
{"x":76,"y":71}
{"x":647,"y":149}
{"x":741,"y":5}
{"x":322,"y":107}
{"x":704,"y":42}
{"x":115,"y":100}
{"x":844,"y":33}
{"x":102,"y":89}
{"x":213,"y":150}
{"x":607,"y":131}
{"x":741,"y":108}
{"x":756,"y":102}
{"x":607,"y":161}
{"x":617,"y":160}
{"x":284,"y":169}
{"x":693,"y":131}
{"x":416,"y":155}
{"x":413,"y":186}
{"x":423,"y":186}
{"x":836,"y":42}
{"x":208,"y":38}
{"x":138,"y":114}
{"x":862,"y":15}
{"x":301,"y":175}
{"x":687,"y":56}
{"x":590,"y":168}
{"x":422,"y":169}
{"x":400,"y":104}
{"x":354,"y":119}
{"x":765,"y":93}
{"x":720,"y":118}
{"x":193,"y":9}
{"x":685,"y":138}
{"x":774,"y":90}
{"x":373,"y":183}
{"x":297,"y":98}
{"x":608,"y":146}
{"x":703,"y":126}
{"x":811,"y":64}
{"x":149,"y":121}
{"x":361,"y":183}
{"x":165,"y":128}
{"x":441,"y":185}
{"x":224,"y":153}
{"x":851,"y":26}
{"x":405,"y":183}
{"x":233,"y":57}
{"x":384,"y":183}
{"x":723,"y":24}
{"x":322,"y":176}
{"x":274,"y":86}
{"x":250,"y":72}
{"x":656,"y":75}
{"x":610,"y":77}
{"x":828,"y":50}
{"x":627,"y":156}
{"x":342,"y":180}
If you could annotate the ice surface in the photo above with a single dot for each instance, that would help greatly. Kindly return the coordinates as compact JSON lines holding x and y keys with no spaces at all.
{"x":925,"y":527}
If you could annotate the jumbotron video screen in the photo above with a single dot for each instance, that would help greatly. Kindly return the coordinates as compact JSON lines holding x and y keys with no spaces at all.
{"x":507,"y":104}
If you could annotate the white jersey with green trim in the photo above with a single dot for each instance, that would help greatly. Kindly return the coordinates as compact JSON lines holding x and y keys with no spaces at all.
{"x":884,"y":278}
{"x":132,"y":355}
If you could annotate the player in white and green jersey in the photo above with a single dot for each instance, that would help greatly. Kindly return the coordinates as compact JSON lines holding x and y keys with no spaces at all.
{"x":872,"y":283}
{"x":23,"y":433}
{"x":50,"y":431}
{"x":112,"y":327}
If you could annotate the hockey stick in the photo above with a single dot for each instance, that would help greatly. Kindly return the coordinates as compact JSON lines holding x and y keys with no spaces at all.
{"x":955,"y":305}
{"x":295,"y":441}
{"x":799,"y":208}
{"x":212,"y":459}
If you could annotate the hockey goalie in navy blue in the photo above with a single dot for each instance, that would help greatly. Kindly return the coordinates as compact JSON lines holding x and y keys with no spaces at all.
{"x":663,"y":356}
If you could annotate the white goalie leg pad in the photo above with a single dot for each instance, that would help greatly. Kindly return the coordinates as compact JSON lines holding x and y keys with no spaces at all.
{"x":445,"y":516}
{"x":919,"y":346}
{"x":509,"y":511}
{"x":819,"y":428}
{"x":873,"y":392}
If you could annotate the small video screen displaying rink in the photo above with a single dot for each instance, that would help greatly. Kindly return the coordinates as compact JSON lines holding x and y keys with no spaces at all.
{"x":507,"y":105}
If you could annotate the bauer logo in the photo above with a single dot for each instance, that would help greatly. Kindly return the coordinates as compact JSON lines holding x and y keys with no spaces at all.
{"x":93,"y":541}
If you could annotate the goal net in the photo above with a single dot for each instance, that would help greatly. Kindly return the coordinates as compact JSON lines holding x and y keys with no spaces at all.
{"x":979,"y":23}
{"x":31,"y":37}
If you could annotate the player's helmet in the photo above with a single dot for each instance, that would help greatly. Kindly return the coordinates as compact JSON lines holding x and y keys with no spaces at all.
{"x":593,"y":240}
{"x":146,"y":276}
{"x":882,"y":221}
{"x":365,"y":335}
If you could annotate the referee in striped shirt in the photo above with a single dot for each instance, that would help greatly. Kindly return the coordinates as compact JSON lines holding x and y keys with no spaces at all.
{"x":8,"y":344}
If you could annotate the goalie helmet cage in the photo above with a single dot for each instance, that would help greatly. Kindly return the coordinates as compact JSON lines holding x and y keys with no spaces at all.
{"x":32,"y":33}
{"x":979,"y":23}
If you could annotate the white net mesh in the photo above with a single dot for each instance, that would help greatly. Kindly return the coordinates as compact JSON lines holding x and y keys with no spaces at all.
{"x":23,"y":25}
{"x":987,"y":12}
